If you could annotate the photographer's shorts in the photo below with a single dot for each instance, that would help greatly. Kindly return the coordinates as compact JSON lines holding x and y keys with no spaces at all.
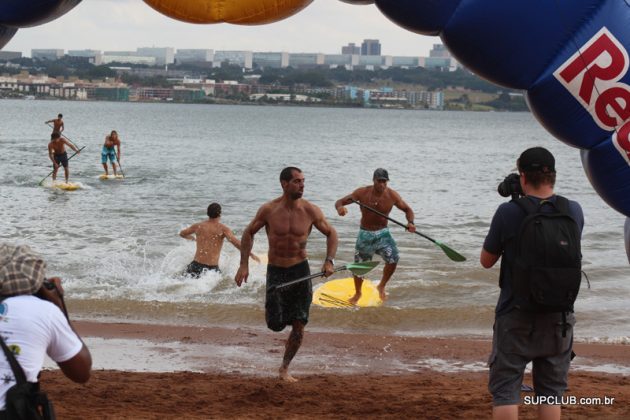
{"x":520,"y":337}
{"x":381,"y":242}
{"x":291,"y":303}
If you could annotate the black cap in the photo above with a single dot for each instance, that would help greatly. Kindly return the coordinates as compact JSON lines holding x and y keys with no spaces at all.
{"x":381,"y":173}
{"x":536,"y":159}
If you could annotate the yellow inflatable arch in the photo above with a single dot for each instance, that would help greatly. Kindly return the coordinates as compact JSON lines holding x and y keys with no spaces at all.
{"x":240,"y":12}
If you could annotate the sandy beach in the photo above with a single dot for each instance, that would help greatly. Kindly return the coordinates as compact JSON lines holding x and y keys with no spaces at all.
{"x":153,"y":371}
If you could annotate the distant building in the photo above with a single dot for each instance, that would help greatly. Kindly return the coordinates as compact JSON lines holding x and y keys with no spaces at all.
{"x":439,"y":50}
{"x":371,"y":47}
{"x":372,"y":62}
{"x":346,"y":60}
{"x":48,"y":54}
{"x":94,"y":56}
{"x":351,"y":49}
{"x":9,"y":55}
{"x":409,"y":62}
{"x":194,"y":56}
{"x":239,"y":58}
{"x":440,"y":58}
{"x":163,"y":56}
{"x":298,"y":60}
{"x":274,"y":60}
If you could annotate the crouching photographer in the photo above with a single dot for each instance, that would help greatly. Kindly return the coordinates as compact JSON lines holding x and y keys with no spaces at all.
{"x":33,"y":323}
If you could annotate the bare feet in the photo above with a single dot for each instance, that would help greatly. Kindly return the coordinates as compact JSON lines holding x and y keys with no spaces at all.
{"x":354,"y":299}
{"x":381,"y":292}
{"x":284,"y":375}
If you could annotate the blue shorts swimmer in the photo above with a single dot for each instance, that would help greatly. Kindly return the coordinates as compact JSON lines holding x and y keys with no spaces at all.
{"x":381,"y":242}
{"x":108,"y":152}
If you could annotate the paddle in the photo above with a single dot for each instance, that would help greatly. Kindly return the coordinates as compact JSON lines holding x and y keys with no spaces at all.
{"x":452,"y":254}
{"x":358,"y":269}
{"x":51,"y":172}
{"x":66,"y":137}
{"x":119,"y":166}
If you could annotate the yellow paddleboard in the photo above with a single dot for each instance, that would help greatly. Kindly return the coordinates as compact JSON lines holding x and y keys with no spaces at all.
{"x":110,"y":176}
{"x":66,"y":186}
{"x":335,"y":294}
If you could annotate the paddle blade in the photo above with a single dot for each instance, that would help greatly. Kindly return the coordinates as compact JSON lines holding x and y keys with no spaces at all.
{"x":451,"y":253}
{"x":361,"y":268}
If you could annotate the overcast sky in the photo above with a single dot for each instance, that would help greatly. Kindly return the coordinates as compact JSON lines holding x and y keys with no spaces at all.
{"x":324,"y":27}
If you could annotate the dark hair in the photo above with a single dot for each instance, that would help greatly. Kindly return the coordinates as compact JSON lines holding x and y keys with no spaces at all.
{"x":287,"y":173}
{"x":214,"y":210}
{"x":537,"y":178}
{"x":59,"y":116}
{"x":113,"y":132}
{"x":55,"y":135}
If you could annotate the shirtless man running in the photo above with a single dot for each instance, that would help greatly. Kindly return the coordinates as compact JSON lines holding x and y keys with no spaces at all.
{"x":108,"y":151}
{"x":209,"y":236}
{"x":57,"y":124}
{"x":374,"y":236}
{"x":58,"y":155}
{"x":288,"y":221}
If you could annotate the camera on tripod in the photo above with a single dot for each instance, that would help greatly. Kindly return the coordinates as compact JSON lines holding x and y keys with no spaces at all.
{"x":511,"y":186}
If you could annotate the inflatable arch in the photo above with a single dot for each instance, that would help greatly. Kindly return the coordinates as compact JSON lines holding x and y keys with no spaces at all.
{"x":570,"y":57}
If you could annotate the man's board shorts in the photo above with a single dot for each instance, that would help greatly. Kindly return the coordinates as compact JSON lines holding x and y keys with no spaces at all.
{"x":108,"y":153}
{"x":291,"y":303}
{"x":62,"y":159}
{"x":381,"y":242}
{"x":521,"y":337}
{"x":195,"y":269}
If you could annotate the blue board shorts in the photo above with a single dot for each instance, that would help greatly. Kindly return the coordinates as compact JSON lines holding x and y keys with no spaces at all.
{"x":108,"y":153}
{"x":381,"y":242}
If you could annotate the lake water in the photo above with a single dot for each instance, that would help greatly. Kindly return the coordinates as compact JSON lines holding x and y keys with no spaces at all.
{"x":116,"y":243}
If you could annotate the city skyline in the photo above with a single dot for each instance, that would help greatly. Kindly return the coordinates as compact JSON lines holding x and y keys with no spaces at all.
{"x":324,"y":26}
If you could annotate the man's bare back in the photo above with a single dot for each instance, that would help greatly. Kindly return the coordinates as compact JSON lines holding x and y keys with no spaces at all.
{"x":209,"y":237}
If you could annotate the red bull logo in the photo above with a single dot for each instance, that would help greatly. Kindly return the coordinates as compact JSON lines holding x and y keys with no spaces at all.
{"x":592,"y":76}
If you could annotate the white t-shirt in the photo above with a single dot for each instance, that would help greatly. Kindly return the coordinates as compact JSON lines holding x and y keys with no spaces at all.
{"x":36,"y":327}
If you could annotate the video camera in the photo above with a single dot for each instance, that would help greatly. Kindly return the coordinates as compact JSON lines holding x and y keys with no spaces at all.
{"x":511,"y":186}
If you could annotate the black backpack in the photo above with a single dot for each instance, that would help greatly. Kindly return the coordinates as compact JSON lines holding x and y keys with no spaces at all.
{"x":547,"y":269}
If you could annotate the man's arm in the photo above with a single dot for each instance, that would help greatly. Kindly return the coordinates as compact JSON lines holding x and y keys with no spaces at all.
{"x":247,"y":243}
{"x":70,"y":145}
{"x":118,"y":148}
{"x":51,"y":154}
{"x":332,"y":240}
{"x":402,"y":205}
{"x":237,"y":244}
{"x":189,"y":232}
{"x":488,"y":259}
{"x":61,"y":127}
{"x":344,"y":201}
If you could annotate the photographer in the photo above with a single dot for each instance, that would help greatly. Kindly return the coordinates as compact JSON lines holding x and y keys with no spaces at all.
{"x":522,"y":335}
{"x":33,"y":323}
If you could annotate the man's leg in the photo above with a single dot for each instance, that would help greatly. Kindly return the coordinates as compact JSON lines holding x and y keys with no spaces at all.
{"x":66,"y":171}
{"x":114,"y":167}
{"x":505,"y":412}
{"x":291,"y":348}
{"x":54,"y":176}
{"x":388,"y":271}
{"x":105,"y":168}
{"x":549,"y":412}
{"x":358,"y":282}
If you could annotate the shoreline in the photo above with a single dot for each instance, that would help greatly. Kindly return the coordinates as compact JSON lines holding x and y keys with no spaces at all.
{"x":340,"y":375}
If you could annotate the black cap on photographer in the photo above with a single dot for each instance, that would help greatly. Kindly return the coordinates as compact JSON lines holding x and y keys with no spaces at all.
{"x":536,"y":159}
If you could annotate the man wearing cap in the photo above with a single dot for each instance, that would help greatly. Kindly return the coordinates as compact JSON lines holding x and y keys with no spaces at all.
{"x":374,"y":236}
{"x":521,"y":336}
{"x":32,"y":326}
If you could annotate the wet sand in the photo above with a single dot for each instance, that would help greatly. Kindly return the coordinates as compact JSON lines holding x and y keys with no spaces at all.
{"x":150,"y":371}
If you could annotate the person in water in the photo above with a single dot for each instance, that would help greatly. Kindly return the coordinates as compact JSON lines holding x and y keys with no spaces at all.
{"x":110,"y":149}
{"x":209,"y":236}
{"x":374,"y":236}
{"x":58,"y":155}
{"x":57,"y":124}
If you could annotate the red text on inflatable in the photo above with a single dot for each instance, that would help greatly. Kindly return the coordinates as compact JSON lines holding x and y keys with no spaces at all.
{"x":592,"y":76}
